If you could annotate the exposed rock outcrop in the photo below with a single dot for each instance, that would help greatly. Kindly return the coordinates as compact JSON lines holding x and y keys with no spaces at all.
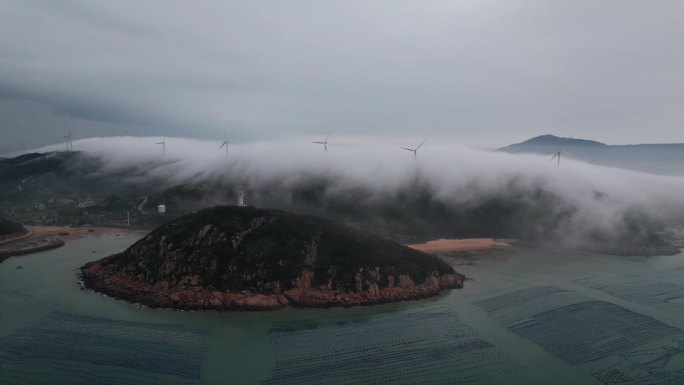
{"x":253,"y":259}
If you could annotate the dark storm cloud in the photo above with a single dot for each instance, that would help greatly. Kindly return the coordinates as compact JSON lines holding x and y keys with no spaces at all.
{"x":482,"y":73}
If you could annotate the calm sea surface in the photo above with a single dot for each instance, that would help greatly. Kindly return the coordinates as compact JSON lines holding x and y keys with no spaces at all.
{"x":526,"y":317}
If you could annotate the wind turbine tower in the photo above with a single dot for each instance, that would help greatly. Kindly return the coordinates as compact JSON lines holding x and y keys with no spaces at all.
{"x":557,"y":155}
{"x":68,"y":141}
{"x":225,"y":142}
{"x":325,"y":142}
{"x":163,"y":143}
{"x":415,"y":150}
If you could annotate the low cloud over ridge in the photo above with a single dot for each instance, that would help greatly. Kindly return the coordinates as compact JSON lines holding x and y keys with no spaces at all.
{"x":569,"y":203}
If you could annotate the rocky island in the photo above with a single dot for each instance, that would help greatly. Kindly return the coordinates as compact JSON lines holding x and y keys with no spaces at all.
{"x":246,"y":258}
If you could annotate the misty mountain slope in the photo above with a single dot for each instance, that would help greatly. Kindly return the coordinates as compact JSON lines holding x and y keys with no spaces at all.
{"x":15,"y":170}
{"x":446,"y":191}
{"x":34,"y":176}
{"x":39,"y":177}
{"x":189,"y":196}
{"x":665,"y":159}
{"x":535,"y":215}
{"x":8,"y":228}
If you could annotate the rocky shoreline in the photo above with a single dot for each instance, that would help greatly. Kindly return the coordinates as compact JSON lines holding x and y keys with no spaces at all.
{"x":99,"y":278}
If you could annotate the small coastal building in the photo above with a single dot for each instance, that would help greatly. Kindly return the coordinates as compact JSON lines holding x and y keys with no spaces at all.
{"x":86,"y":203}
{"x":240,"y":198}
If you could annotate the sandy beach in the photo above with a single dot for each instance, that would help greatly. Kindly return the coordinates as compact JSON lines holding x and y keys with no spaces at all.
{"x":66,"y":233}
{"x":467,"y":244}
{"x":42,"y":238}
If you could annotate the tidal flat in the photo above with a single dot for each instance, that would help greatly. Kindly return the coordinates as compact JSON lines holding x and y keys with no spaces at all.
{"x":525,"y":316}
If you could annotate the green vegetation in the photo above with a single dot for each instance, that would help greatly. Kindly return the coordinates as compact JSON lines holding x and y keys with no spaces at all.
{"x":9,"y":227}
{"x":246,"y":248}
{"x":183,"y":198}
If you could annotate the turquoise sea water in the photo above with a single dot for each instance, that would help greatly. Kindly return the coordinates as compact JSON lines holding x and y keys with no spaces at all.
{"x":526,"y":317}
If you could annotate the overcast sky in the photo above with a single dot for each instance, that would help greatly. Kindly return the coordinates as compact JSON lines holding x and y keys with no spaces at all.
{"x":482,"y":73}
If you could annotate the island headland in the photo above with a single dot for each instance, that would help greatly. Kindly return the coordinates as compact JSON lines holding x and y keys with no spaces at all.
{"x":247,"y":258}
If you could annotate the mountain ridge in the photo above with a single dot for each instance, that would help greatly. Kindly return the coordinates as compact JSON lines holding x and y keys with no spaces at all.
{"x":548,"y":139}
{"x":656,"y":158}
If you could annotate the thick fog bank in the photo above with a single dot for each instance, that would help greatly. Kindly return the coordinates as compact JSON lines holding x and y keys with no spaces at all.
{"x":446,"y":189}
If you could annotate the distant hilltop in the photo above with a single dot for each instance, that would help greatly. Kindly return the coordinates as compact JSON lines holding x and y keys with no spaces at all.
{"x":545,"y":141}
{"x":234,"y":258}
{"x":666,"y":159}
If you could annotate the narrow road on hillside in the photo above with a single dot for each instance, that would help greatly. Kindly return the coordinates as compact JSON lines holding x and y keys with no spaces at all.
{"x":140,"y":206}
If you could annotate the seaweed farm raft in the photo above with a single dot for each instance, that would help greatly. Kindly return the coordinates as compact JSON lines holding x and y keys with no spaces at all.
{"x":74,"y":349}
{"x":432,"y":346}
{"x":581,"y":331}
{"x":661,"y":290}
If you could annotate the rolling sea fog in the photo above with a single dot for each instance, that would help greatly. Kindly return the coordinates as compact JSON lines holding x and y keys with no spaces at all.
{"x":524,"y":317}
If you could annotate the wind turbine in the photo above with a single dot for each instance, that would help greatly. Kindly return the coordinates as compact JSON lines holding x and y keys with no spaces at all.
{"x":325,"y":142}
{"x":415,"y":150}
{"x":163,"y":143}
{"x":225,"y":142}
{"x":67,"y":140}
{"x":558,"y":155}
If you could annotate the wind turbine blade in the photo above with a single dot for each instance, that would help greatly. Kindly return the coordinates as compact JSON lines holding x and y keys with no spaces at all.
{"x":222,"y":144}
{"x":554,"y":156}
{"x":328,"y":137}
{"x":318,"y":142}
{"x":407,"y":149}
{"x":421,"y":143}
